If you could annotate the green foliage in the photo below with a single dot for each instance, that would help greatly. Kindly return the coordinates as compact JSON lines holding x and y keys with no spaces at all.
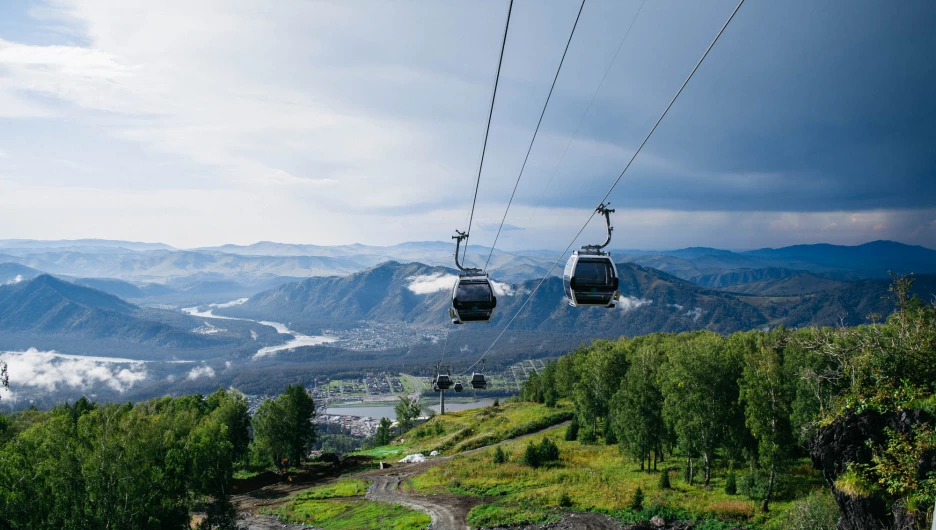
{"x":818,"y":511}
{"x":499,"y":455}
{"x":565,"y":501}
{"x":383,"y":436}
{"x":637,"y":500}
{"x":571,"y":432}
{"x":731,"y":484}
{"x":496,"y":403}
{"x":491,"y":515}
{"x":346,"y":514}
{"x":283,"y":426}
{"x":342,"y":488}
{"x":531,"y":456}
{"x":587,"y":436}
{"x":120,"y":466}
{"x":407,"y":411}
{"x":664,"y":483}
{"x":548,"y":452}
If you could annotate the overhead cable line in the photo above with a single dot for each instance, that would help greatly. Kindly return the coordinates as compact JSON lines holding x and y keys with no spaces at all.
{"x":618,"y":179}
{"x":535,"y":131}
{"x":487,"y":129}
{"x":590,"y":103}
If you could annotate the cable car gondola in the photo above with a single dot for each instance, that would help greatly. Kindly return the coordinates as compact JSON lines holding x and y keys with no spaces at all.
{"x":473,"y":298}
{"x":459,"y":387}
{"x":443,"y":381}
{"x":590,"y":277}
{"x":478,"y":382}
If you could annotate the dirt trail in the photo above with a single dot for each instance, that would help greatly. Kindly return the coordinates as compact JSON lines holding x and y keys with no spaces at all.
{"x":448,"y":512}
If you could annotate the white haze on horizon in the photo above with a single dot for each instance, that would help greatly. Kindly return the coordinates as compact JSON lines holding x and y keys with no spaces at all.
{"x":49,"y":371}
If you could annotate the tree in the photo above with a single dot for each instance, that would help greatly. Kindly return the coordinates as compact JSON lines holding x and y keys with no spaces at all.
{"x":571,"y":433}
{"x":407,"y":411}
{"x":499,"y":455}
{"x":531,"y":456}
{"x":698,"y":388}
{"x":600,"y":377}
{"x":765,"y":392}
{"x":637,"y":408}
{"x":283,"y":425}
{"x":383,"y":434}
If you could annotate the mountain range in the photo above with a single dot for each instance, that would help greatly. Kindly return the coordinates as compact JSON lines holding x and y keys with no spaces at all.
{"x":419,"y":294}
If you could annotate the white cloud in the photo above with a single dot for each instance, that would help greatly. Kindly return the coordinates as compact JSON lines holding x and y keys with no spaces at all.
{"x":630,"y":303}
{"x":695,"y":313}
{"x":18,"y":279}
{"x":677,"y":307}
{"x":503,"y":289}
{"x":201,"y":371}
{"x":48,"y":370}
{"x":431,"y":283}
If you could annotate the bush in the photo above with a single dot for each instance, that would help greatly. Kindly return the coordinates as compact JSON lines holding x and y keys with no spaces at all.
{"x":731,"y":484}
{"x":531,"y":456}
{"x":664,"y":483}
{"x":587,"y":436}
{"x":610,"y":437}
{"x":572,"y":430}
{"x":818,"y":511}
{"x":637,"y":501}
{"x":499,"y":455}
{"x":564,"y":500}
{"x":754,"y":485}
{"x":548,"y":451}
{"x":496,"y":403}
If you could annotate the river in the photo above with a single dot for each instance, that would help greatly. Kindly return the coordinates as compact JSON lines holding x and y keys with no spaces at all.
{"x":298,"y":338}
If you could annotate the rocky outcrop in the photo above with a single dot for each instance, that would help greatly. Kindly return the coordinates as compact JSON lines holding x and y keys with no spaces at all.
{"x":846,"y":441}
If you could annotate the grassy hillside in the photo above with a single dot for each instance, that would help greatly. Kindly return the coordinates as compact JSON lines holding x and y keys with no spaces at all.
{"x":470,"y":429}
{"x":591,"y":477}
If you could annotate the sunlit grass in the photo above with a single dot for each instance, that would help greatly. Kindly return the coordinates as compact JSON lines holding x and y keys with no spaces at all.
{"x":594,"y":478}
{"x":469,"y":429}
{"x":351,"y":515}
{"x":334,"y":507}
{"x":342,"y":488}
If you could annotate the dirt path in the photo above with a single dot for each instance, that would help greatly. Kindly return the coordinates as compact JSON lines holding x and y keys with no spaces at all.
{"x":447,"y":511}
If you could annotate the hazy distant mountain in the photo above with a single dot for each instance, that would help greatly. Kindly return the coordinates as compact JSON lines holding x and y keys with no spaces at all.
{"x":80,"y":243}
{"x":49,"y":307}
{"x":15,"y":273}
{"x":796,"y":285}
{"x":418,"y":294}
{"x":743,"y":276}
{"x":872,"y":259}
{"x":247,"y":268}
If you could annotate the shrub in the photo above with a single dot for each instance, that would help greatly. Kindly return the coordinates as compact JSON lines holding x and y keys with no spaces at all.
{"x":731,"y":484}
{"x":587,"y":436}
{"x":610,"y":437}
{"x":496,"y":403}
{"x":572,"y":430}
{"x":531,"y":456}
{"x":732,"y":510}
{"x":548,"y":451}
{"x":664,"y":483}
{"x":564,"y":500}
{"x":754,"y":485}
{"x":818,"y":511}
{"x":637,"y":501}
{"x":499,"y":455}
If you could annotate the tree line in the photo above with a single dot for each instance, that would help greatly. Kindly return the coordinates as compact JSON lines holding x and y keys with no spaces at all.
{"x":145,"y":465}
{"x":753,"y":400}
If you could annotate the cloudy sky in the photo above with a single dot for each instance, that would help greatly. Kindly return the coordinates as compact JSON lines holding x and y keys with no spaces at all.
{"x":233,"y":121}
